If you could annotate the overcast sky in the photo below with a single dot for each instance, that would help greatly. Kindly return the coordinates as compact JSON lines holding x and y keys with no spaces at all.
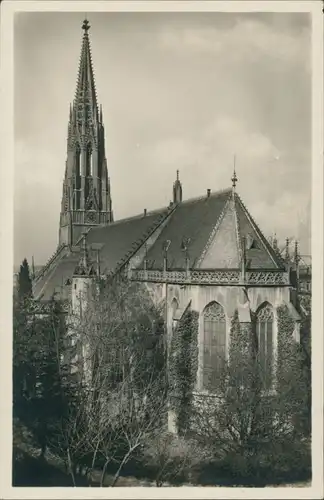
{"x":179,"y":91}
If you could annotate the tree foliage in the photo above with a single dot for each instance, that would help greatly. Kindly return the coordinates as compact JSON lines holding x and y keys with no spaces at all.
{"x":95,"y":388}
{"x":246,"y":426}
{"x":38,"y":373}
{"x":24,"y":282}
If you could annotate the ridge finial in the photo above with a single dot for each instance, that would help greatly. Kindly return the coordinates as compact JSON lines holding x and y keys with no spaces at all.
{"x":287,"y":253}
{"x":275,"y":241}
{"x":234,"y":176}
{"x":296,"y":253}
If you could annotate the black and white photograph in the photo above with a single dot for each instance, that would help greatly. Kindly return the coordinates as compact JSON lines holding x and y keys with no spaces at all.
{"x":166,"y":282}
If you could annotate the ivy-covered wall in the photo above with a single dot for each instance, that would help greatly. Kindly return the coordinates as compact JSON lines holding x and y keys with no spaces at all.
{"x":183,"y":365}
{"x":185,"y":344}
{"x":292,"y":380}
{"x":288,"y":349}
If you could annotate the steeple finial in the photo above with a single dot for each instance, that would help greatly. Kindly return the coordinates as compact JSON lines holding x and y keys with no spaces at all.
{"x":86,"y":25}
{"x":234,"y":177}
{"x":275,"y":242}
{"x":296,"y":253}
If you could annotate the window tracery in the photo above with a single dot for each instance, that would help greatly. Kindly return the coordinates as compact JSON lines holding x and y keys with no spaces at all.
{"x":264,"y":330}
{"x":214,"y":345}
{"x":174,"y":307}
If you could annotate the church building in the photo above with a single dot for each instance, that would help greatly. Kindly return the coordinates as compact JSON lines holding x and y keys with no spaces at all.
{"x":206,"y":252}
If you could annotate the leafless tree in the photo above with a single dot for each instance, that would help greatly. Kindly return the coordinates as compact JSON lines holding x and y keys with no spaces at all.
{"x":173,"y":457}
{"x":119,"y":347}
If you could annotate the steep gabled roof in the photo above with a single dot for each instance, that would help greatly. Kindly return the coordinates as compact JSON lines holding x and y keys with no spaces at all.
{"x":217,"y":224}
{"x":119,"y":240}
{"x":192,"y":219}
{"x":223,"y":248}
{"x":122,"y":238}
{"x":54,"y":280}
{"x":210,"y":230}
{"x":259,"y":253}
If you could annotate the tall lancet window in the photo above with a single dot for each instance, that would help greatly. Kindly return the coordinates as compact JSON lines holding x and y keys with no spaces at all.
{"x":264,"y":330}
{"x":174,"y":308}
{"x":77,"y":179}
{"x":89,"y":160}
{"x":214,"y":345}
{"x":77,"y":160}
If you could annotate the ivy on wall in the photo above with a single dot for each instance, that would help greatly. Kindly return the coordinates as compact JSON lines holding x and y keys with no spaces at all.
{"x":242,"y":377}
{"x":242,"y":350}
{"x":292,"y":383}
{"x":287,"y":347}
{"x":305,"y":309}
{"x":183,"y":365}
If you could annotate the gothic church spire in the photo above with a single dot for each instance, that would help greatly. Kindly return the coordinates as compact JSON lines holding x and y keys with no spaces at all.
{"x":86,"y":199}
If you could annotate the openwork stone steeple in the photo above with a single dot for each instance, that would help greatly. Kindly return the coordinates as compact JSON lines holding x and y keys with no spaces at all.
{"x":86,"y":199}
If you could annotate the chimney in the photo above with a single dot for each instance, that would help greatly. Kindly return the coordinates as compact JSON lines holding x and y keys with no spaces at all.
{"x":208,"y":193}
{"x":145,"y":212}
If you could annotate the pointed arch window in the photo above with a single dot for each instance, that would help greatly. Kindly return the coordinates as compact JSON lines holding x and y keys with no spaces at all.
{"x":174,"y":308}
{"x":214,"y":346}
{"x":264,"y":331}
{"x":77,"y":160}
{"x":89,"y":160}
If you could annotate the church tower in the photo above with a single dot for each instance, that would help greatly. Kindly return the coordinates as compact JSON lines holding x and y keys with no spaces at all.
{"x":86,"y":200}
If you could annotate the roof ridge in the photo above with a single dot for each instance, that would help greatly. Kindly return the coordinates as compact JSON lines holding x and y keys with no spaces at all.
{"x":168,"y":208}
{"x":143,"y":239}
{"x":202,"y":197}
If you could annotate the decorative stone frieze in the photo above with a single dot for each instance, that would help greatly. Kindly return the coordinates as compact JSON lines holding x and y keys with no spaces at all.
{"x":217,"y":277}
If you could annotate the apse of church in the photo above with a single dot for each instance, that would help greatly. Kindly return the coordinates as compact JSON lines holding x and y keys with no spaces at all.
{"x":86,"y":199}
